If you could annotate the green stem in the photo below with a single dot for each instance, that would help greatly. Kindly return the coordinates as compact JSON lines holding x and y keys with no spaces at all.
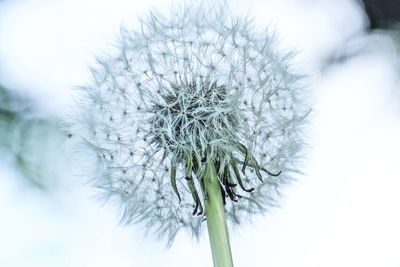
{"x":216,"y":221}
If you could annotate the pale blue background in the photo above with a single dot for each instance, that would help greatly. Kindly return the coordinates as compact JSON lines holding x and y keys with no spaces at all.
{"x":343,"y":212}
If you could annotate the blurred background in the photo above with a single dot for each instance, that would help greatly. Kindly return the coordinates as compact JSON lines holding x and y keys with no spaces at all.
{"x":343,"y":212}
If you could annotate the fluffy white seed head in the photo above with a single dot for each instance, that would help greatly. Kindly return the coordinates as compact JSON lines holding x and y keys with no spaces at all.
{"x":197,"y":83}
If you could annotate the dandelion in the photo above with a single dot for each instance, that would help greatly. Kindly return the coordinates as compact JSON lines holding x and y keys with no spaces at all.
{"x":194,"y":117}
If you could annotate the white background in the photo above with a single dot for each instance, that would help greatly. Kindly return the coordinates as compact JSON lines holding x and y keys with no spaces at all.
{"x":343,"y":212}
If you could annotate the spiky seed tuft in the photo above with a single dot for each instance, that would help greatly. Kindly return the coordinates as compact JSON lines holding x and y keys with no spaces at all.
{"x":198,"y":85}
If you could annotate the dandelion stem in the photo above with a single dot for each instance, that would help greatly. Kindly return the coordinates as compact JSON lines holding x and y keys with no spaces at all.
{"x":216,"y":221}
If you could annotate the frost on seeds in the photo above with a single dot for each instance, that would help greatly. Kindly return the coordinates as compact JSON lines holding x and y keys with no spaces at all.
{"x":193,"y":86}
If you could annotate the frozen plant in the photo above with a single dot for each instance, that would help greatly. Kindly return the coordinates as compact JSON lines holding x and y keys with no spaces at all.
{"x":194,"y":107}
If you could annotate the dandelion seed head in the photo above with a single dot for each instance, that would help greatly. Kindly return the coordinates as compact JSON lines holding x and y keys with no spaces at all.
{"x":194,"y":85}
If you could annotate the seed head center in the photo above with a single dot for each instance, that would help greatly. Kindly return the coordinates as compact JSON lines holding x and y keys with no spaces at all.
{"x":193,"y":113}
